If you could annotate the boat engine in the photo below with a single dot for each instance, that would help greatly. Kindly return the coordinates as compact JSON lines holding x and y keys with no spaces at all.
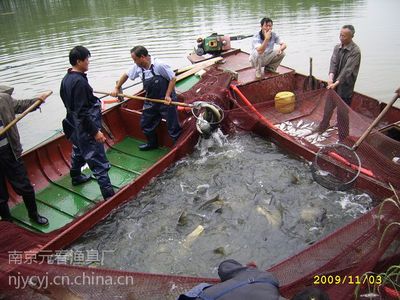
{"x":213,"y":44}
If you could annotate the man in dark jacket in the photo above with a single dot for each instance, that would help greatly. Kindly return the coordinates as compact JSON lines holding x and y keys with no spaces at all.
{"x":83,"y":123}
{"x":237,"y":282}
{"x":11,"y":166}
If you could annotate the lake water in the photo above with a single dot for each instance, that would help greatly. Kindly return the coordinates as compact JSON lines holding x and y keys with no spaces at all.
{"x":215,"y":204}
{"x":36,"y":36}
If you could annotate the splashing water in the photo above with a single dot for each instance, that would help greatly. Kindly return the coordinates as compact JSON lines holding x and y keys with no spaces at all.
{"x":217,"y":139}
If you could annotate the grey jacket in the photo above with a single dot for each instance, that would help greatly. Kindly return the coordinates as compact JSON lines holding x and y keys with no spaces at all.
{"x":8,"y":108}
{"x":345,"y":64}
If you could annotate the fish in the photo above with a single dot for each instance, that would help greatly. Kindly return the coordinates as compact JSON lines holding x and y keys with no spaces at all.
{"x":202,"y":189}
{"x":220,"y":250}
{"x":218,"y":210}
{"x":193,"y":236}
{"x":313,"y":214}
{"x":203,"y":126}
{"x":303,"y":132}
{"x":273,"y":218}
{"x":214,"y":200}
{"x":294,"y":179}
{"x":183,"y":219}
{"x":299,"y":124}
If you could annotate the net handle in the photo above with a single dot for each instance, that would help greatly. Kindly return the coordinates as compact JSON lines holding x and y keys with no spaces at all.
{"x":373,"y":124}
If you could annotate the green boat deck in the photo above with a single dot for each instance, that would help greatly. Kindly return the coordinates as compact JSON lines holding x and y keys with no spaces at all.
{"x":61,"y":202}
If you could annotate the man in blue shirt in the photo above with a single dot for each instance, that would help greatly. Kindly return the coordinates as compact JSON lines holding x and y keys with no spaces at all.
{"x":262,"y":49}
{"x":159,"y":83}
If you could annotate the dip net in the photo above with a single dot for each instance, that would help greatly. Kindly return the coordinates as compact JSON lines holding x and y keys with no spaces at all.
{"x":30,"y":272}
{"x":321,"y":118}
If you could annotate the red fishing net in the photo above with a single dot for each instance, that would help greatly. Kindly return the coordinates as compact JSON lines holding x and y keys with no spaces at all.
{"x":343,"y":256}
{"x":321,"y":118}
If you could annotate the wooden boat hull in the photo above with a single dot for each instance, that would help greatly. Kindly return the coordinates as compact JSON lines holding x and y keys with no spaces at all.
{"x":74,"y":210}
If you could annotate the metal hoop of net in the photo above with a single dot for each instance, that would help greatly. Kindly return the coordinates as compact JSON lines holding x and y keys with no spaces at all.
{"x":208,"y":117}
{"x":336,"y":167}
{"x":210,"y":112}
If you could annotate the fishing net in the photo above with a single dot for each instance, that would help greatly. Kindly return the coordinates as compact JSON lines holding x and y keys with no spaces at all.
{"x":213,"y":88}
{"x":321,"y":118}
{"x":349,"y":252}
{"x":336,"y":167}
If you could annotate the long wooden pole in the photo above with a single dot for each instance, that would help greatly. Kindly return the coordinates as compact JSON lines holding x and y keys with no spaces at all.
{"x":27,"y":111}
{"x":373,"y":124}
{"x":147,"y":99}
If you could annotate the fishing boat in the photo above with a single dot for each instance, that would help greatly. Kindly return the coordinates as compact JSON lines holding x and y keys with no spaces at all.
{"x":293,"y":121}
{"x":248,"y":104}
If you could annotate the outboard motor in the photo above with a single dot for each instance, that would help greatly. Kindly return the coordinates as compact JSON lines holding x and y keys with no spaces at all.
{"x":213,"y":44}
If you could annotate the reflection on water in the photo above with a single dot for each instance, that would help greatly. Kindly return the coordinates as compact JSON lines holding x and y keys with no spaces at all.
{"x":245,"y":200}
{"x":36,"y":35}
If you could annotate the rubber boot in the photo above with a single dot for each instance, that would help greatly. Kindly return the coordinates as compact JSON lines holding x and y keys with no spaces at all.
{"x":78,"y":178}
{"x":5,"y":212}
{"x":107,"y":192}
{"x":30,"y":203}
{"x":152,"y":143}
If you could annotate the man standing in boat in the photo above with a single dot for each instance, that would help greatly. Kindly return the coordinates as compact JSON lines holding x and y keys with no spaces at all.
{"x":345,"y":64}
{"x":11,"y":166}
{"x":262,"y":49}
{"x":83,"y":123}
{"x":159,"y":83}
{"x":343,"y":72}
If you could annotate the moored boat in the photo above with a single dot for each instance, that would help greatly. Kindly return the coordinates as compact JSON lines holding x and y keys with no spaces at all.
{"x":295,"y":128}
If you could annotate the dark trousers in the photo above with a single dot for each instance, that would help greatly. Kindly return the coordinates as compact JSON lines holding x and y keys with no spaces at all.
{"x":14,"y":172}
{"x":91,"y":152}
{"x":342,"y":116}
{"x":152,"y":115}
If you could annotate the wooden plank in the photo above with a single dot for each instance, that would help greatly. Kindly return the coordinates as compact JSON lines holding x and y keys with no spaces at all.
{"x":198,"y":67}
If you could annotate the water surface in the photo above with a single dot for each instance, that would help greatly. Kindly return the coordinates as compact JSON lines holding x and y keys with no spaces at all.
{"x":36,"y":35}
{"x":252,"y":201}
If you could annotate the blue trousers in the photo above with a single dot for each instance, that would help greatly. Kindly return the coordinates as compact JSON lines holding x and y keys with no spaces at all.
{"x":152,"y":115}
{"x":87,"y":150}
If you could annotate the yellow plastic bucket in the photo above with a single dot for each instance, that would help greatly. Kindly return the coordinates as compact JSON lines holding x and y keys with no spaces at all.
{"x":285,"y":102}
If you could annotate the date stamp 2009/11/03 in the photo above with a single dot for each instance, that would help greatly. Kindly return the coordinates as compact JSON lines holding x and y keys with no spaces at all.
{"x":346,"y":279}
